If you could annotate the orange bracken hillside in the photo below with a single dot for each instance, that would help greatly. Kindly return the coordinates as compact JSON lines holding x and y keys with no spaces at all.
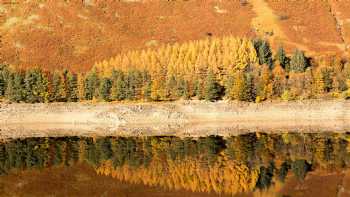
{"x":58,"y":34}
{"x":77,"y":33}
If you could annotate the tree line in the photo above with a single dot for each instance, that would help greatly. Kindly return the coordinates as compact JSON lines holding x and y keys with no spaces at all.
{"x":212,"y":69}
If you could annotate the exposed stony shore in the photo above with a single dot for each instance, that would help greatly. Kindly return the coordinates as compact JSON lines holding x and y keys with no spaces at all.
{"x":182,"y":118}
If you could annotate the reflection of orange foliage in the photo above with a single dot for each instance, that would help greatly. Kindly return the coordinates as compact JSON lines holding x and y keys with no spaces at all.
{"x":224,"y":176}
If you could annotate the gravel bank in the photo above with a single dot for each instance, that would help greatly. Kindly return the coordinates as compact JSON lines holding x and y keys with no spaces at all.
{"x":183,"y":118}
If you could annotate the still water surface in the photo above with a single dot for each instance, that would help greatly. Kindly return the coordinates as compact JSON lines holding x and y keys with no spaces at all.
{"x":253,"y":164}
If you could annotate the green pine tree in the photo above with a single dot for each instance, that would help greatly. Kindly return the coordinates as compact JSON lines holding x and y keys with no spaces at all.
{"x":105,"y":89}
{"x":171,"y":88}
{"x":147,"y":89}
{"x":36,"y":86}
{"x":118,"y":85}
{"x":57,"y":88}
{"x":91,"y":85}
{"x":282,"y":58}
{"x":298,"y":62}
{"x":4,"y":79}
{"x":2,"y":85}
{"x":72,"y":87}
{"x":212,"y":89}
{"x":263,"y":51}
{"x":248,"y":88}
{"x":15,"y":88}
{"x":182,"y":89}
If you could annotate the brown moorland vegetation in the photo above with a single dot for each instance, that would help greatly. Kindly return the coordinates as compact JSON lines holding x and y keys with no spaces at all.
{"x":309,"y":23}
{"x":54,"y":34}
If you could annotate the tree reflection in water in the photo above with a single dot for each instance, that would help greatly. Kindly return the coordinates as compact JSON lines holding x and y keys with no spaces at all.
{"x":214,"y":164}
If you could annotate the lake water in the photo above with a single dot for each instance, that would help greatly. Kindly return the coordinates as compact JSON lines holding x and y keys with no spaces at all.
{"x":252,"y":164}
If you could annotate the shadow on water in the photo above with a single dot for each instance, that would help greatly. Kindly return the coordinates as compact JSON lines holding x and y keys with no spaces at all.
{"x":253,"y":164}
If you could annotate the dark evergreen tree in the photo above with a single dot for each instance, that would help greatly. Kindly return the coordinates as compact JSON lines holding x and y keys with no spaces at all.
{"x":4,"y":79}
{"x":72,"y":87}
{"x":212,"y":88}
{"x":298,"y":62}
{"x":105,"y":89}
{"x":171,"y":86}
{"x":36,"y":86}
{"x":147,"y":90}
{"x":133,"y":85}
{"x":182,"y":89}
{"x":15,"y":88}
{"x":282,"y":58}
{"x":2,"y":85}
{"x":118,"y":85}
{"x":57,"y":88}
{"x":30,"y":80}
{"x":263,"y":51}
{"x":198,"y":89}
{"x":327,"y":79}
{"x":91,"y":85}
{"x":248,"y":89}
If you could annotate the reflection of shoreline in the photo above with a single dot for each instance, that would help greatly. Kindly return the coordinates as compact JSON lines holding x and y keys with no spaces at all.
{"x":186,"y":130}
{"x":183,"y":118}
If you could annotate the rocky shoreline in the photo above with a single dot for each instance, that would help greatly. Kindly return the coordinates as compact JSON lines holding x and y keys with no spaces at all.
{"x":181,"y":118}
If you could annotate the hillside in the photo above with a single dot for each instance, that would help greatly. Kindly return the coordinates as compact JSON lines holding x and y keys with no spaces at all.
{"x":76,"y":34}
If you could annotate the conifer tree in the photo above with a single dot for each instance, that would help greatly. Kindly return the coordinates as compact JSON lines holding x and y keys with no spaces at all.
{"x":298,"y":62}
{"x":30,"y":89}
{"x":278,"y":80}
{"x":263,"y":85}
{"x":133,"y":85}
{"x":237,"y":88}
{"x":171,"y":86}
{"x":15,"y":88}
{"x":4,"y":79}
{"x":182,"y":89}
{"x":147,"y":89}
{"x":212,"y":89}
{"x":229,"y":84}
{"x":249,"y":89}
{"x":282,"y":58}
{"x":36,"y":86}
{"x":81,"y":92}
{"x":72,"y":87}
{"x":118,"y":85}
{"x":319,"y":84}
{"x":198,"y":90}
{"x":263,"y":50}
{"x":43,"y":87}
{"x":327,"y":79}
{"x":2,"y":85}
{"x":57,"y":89}
{"x":91,"y":85}
{"x":105,"y":89}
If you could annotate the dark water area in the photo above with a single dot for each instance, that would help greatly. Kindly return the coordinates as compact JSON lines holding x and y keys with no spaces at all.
{"x":252,"y":164}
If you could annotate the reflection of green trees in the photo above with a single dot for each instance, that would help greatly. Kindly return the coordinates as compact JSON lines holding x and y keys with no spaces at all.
{"x":273,"y":156}
{"x":300,"y":168}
